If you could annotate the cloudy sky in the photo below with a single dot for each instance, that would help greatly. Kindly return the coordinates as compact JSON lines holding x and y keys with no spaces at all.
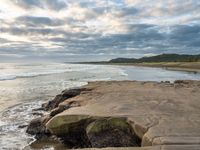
{"x":73,"y":30}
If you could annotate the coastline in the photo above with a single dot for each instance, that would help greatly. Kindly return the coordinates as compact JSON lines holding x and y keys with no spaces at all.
{"x":176,"y":66}
{"x":139,"y":112}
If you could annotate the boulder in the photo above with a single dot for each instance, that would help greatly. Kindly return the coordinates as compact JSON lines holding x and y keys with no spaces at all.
{"x":80,"y":131}
{"x":111,"y":132}
{"x":71,"y":130}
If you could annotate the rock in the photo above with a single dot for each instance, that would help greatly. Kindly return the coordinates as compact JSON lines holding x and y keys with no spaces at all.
{"x":22,"y":126}
{"x":61,"y":97}
{"x":79,"y":131}
{"x":58,"y":110}
{"x":37,"y":127}
{"x":161,"y":116}
{"x":111,"y":132}
{"x":38,"y":109}
{"x":71,"y":129}
{"x":37,"y":114}
{"x":64,"y":106}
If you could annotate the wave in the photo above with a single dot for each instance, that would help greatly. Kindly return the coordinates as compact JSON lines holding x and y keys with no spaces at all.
{"x":27,"y":71}
{"x":30,"y":74}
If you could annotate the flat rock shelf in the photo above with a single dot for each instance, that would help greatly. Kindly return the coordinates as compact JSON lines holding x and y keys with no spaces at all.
{"x":124,"y":115}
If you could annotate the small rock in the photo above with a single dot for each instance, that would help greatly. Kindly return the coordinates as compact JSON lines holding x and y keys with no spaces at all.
{"x":37,"y":114}
{"x":22,"y":126}
{"x":38,"y":109}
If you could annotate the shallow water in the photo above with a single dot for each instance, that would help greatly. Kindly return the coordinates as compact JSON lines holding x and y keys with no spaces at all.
{"x":24,"y":87}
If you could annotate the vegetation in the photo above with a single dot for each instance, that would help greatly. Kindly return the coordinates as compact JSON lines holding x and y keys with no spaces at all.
{"x":159,"y":58}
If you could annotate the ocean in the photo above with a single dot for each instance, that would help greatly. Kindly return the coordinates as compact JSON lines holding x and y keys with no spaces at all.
{"x":24,"y":87}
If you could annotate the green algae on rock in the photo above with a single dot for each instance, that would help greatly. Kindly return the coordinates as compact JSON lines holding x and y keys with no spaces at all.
{"x":113,"y":132}
{"x":93,"y":131}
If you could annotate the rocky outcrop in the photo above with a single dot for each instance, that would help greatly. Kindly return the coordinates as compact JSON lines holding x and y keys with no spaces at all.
{"x":66,"y":94}
{"x":38,"y":128}
{"x":152,"y":115}
{"x":90,"y":131}
{"x":71,"y":129}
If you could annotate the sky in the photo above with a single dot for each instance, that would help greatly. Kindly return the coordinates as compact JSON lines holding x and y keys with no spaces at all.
{"x":88,"y":30}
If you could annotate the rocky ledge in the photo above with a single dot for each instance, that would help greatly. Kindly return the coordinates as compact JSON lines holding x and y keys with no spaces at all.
{"x":131,"y":114}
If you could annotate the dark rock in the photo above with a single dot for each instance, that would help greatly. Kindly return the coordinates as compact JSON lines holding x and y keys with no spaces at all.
{"x":37,"y":127}
{"x":58,"y":110}
{"x":77,"y":131}
{"x":71,"y":130}
{"x":64,"y":106}
{"x":111,"y":132}
{"x":39,"y":109}
{"x":22,"y":126}
{"x":37,"y":114}
{"x":62,"y":97}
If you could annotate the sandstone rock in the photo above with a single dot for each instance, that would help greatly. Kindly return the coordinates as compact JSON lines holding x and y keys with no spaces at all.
{"x":58,"y":110}
{"x":163,"y":117}
{"x":64,"y":106}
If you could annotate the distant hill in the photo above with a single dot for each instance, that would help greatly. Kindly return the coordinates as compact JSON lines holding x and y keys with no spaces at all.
{"x":159,"y":58}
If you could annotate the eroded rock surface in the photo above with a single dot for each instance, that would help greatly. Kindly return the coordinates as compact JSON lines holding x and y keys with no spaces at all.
{"x":66,"y":94}
{"x":157,"y":115}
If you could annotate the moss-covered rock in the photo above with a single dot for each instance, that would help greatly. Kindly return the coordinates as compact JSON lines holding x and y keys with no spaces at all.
{"x":111,"y":132}
{"x":71,"y":129}
{"x":61,"y":124}
{"x":90,"y":131}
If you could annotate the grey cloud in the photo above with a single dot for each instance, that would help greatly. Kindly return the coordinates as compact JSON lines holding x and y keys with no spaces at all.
{"x":51,"y":4}
{"x":28,"y":3}
{"x":143,"y":39}
{"x":36,"y":21}
{"x":27,"y":31}
{"x":188,"y":36}
{"x":56,"y":4}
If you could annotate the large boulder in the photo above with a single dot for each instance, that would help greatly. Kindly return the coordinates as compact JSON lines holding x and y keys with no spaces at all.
{"x":111,"y":132}
{"x":71,"y":130}
{"x":79,"y":131}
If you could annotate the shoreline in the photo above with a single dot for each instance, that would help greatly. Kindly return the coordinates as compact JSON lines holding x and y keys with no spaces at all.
{"x":136,"y":111}
{"x":174,"y":66}
{"x":188,"y":67}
